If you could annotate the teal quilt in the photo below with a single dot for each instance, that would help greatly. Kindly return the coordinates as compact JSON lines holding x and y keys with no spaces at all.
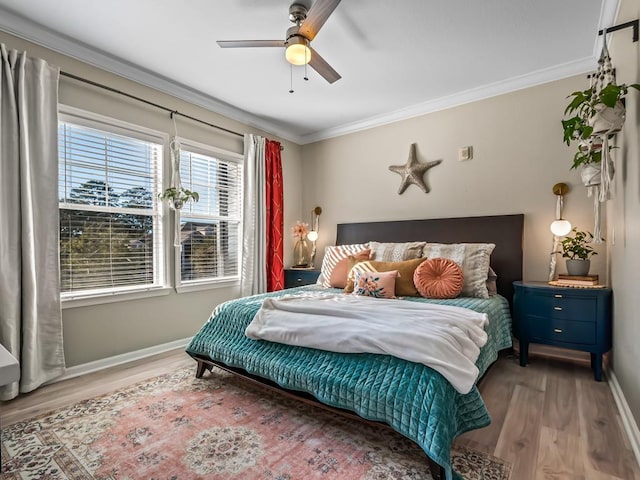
{"x":412,"y":398}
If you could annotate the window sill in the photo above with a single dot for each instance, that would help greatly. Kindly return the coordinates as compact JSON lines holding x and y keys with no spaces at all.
{"x":87,"y":300}
{"x":196,"y":287}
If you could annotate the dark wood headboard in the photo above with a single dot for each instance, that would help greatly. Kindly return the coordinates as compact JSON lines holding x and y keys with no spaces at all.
{"x":503,"y":230}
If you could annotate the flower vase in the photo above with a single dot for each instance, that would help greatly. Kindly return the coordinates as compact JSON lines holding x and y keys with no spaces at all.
{"x":301,"y":253}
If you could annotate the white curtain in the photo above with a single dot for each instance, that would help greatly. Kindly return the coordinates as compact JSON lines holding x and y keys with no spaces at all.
{"x":253,"y":277}
{"x":30,"y":316}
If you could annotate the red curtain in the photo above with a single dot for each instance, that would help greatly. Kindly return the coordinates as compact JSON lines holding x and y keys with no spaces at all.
{"x":275,"y":216}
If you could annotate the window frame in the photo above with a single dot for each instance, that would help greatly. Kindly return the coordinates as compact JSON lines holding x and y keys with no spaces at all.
{"x":211,"y":282}
{"x":76,"y":116}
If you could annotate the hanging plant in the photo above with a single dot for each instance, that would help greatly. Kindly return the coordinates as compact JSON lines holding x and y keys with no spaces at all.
{"x":178,"y":197}
{"x":594,"y":115}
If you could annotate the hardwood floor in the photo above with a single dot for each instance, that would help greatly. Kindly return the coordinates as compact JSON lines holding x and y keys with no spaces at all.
{"x":56,"y":395}
{"x":551,"y":420}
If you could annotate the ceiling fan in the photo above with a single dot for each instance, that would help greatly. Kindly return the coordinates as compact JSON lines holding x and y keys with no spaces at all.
{"x":298,"y":40}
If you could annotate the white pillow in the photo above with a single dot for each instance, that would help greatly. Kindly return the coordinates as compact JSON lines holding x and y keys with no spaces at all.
{"x":473,"y":258}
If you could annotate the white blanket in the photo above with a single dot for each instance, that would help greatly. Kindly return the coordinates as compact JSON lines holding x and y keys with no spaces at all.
{"x":445,"y":338}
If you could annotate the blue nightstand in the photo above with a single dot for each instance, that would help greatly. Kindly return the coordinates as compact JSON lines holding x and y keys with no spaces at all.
{"x":297,"y":277}
{"x":575,"y":318}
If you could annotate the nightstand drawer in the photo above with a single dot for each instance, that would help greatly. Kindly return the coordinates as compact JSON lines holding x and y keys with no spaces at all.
{"x":562,"y":306}
{"x":297,"y":277}
{"x":566,"y":331}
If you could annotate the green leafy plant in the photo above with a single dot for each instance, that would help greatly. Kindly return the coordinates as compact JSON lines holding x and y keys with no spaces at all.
{"x":178,"y":197}
{"x":577,"y":247}
{"x":581,"y":109}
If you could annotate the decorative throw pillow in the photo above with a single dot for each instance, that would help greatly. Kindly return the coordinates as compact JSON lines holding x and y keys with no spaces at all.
{"x":376,"y":284}
{"x":473,"y":258}
{"x":338,"y":278}
{"x":404,"y":282}
{"x":396,"y":252}
{"x":438,"y":278}
{"x":332,"y":255}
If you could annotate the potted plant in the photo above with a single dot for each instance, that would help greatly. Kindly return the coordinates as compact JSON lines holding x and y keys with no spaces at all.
{"x":592,"y":116}
{"x":577,"y":251}
{"x":178,"y":197}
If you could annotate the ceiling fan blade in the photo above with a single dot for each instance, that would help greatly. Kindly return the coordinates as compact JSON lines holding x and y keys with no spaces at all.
{"x":318,"y":14}
{"x":250,"y":43}
{"x":321,"y":66}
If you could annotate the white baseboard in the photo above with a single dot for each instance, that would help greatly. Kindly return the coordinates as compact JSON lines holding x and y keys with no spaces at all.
{"x":103,"y":363}
{"x":630,"y":425}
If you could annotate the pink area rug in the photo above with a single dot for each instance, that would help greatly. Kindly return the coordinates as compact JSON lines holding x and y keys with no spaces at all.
{"x":219,"y":427}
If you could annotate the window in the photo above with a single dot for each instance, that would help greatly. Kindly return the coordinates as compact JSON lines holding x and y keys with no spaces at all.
{"x":110,"y":222}
{"x":210,"y":228}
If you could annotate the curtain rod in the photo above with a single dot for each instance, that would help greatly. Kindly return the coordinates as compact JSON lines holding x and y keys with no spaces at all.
{"x":161,"y":107}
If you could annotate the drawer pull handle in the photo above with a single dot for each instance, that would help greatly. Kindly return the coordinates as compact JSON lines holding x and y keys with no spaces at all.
{"x":557,"y":330}
{"x":558,"y":295}
{"x":557,"y":308}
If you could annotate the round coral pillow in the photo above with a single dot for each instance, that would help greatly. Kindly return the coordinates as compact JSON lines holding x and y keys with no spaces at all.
{"x":438,"y":278}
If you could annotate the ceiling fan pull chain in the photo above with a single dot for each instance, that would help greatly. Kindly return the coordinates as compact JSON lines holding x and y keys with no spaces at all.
{"x":290,"y":78}
{"x":306,"y":61}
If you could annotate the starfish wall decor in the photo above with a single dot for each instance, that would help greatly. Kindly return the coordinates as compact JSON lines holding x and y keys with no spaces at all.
{"x":413,"y":171}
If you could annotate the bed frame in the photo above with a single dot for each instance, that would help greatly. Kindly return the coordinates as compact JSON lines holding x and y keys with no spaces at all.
{"x":503,"y":230}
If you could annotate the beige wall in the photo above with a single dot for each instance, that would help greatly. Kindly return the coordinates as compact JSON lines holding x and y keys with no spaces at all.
{"x":518,"y":155}
{"x":100,"y":331}
{"x":624,"y":212}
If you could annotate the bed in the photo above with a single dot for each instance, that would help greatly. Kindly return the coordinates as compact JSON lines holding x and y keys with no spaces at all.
{"x":413,"y":399}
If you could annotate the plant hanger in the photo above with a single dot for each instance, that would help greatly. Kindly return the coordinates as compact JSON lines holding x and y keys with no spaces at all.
{"x":595,"y":116}
{"x":176,"y":195}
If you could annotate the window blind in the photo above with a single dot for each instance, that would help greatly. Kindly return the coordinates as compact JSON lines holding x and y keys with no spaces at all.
{"x":110,"y":221}
{"x":210,"y":228}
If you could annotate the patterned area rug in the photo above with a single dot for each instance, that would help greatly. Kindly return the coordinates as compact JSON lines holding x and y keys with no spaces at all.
{"x":219,"y":427}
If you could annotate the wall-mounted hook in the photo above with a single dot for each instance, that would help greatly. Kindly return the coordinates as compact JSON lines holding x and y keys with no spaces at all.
{"x":632,"y":23}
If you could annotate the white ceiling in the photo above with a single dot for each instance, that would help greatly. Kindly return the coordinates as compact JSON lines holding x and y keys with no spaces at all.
{"x":397,"y":59}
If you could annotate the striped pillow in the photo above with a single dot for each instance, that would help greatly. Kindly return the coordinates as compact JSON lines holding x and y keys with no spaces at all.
{"x":473,"y":258}
{"x":338,"y":278}
{"x":396,"y":252}
{"x":332,"y":255}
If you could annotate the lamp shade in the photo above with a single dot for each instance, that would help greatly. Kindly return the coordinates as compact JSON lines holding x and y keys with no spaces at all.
{"x":312,"y":235}
{"x":560,"y":227}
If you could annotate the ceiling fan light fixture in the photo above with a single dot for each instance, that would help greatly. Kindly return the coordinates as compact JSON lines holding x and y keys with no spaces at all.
{"x":298,"y":51}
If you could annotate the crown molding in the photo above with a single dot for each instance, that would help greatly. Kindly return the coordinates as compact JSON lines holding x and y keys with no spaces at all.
{"x":41,"y":35}
{"x":22,"y":27}
{"x":539,"y":77}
